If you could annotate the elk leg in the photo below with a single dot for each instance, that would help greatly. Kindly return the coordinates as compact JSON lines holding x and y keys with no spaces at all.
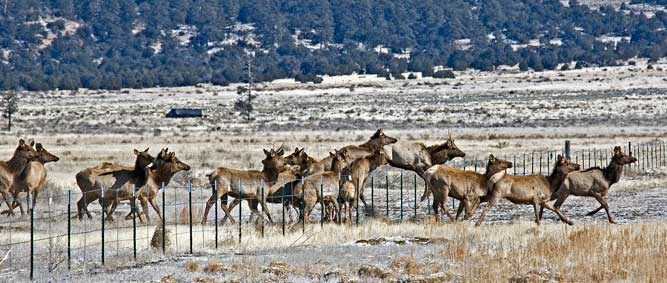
{"x":459,"y":210}
{"x":559,"y":202}
{"x":4,"y":196}
{"x":209,"y":204}
{"x":426,"y":193}
{"x":557,"y":211}
{"x":227,"y":211}
{"x":110,"y":212}
{"x":595,"y":211}
{"x":491,"y":203}
{"x":266,"y":210}
{"x":537,"y":209}
{"x":155,"y":207}
{"x":604,"y":204}
{"x":436,"y":213}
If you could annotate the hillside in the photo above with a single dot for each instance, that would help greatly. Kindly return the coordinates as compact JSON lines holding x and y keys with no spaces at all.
{"x":113,"y":44}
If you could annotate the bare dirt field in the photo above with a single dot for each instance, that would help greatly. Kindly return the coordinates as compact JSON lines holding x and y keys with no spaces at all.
{"x":507,"y":114}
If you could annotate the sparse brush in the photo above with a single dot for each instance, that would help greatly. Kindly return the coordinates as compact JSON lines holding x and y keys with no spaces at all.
{"x":191,"y":266}
{"x":157,"y":240}
{"x":367,"y":270}
{"x":214,"y":267}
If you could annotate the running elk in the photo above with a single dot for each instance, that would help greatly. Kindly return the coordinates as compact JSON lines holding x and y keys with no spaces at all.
{"x":466,"y":186}
{"x":116,"y":181}
{"x":418,"y":158}
{"x":535,"y":190}
{"x":357,"y":173}
{"x":594,"y":182}
{"x":376,"y":143}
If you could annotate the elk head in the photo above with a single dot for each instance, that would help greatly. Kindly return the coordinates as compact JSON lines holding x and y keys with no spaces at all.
{"x":44,"y":155}
{"x":144,"y":159}
{"x":565,"y":166}
{"x":495,"y":165}
{"x":444,"y":152}
{"x":620,"y":158}
{"x":26,"y":151}
{"x":274,"y":162}
{"x":379,"y":139}
{"x":169,"y":161}
{"x":341,"y":159}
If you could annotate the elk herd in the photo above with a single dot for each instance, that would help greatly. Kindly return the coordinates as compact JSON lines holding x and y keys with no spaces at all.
{"x":300,"y":182}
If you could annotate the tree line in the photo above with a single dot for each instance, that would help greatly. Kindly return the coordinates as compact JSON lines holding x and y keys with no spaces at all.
{"x":140,"y":43}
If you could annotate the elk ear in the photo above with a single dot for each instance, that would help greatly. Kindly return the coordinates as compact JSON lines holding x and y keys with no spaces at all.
{"x":21,"y":142}
{"x":32,"y":143}
{"x":136,"y":152}
{"x":491,"y":157}
{"x":172,"y":155}
{"x":280,"y":152}
{"x":146,"y":150}
{"x":39,"y":146}
{"x":268,"y":154}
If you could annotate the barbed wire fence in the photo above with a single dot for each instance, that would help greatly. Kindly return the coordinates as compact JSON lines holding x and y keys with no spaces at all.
{"x":55,"y":239}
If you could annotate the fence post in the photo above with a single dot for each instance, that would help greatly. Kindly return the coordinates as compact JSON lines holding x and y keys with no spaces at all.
{"x":532,"y":162}
{"x":240,"y":210}
{"x":414,"y":179}
{"x":567,"y":149}
{"x":164,"y":218}
{"x":190,"y":211}
{"x":303,"y":204}
{"x":386,"y":185}
{"x":261,"y":187}
{"x":357,"y":193}
{"x":540,"y":163}
{"x":372,"y":195}
{"x":524,"y":164}
{"x":595,"y":159}
{"x":401,"y":188}
{"x":69,"y":229}
{"x":321,"y":201}
{"x":514,"y":164}
{"x":134,"y":222}
{"x":282,"y":201}
{"x":103,"y":211}
{"x":215,"y":197}
{"x":32,"y":236}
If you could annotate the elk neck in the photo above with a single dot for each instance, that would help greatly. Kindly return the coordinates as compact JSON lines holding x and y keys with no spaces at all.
{"x":17,"y":163}
{"x":141,"y":174}
{"x":556,"y":178}
{"x":613,"y":172}
{"x":161,"y":175}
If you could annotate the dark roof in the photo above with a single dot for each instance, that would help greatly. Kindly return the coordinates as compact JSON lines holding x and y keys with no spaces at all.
{"x":184,"y":113}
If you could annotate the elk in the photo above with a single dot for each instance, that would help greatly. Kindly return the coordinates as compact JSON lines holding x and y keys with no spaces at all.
{"x":116,"y":181}
{"x":531,"y":189}
{"x":9,"y":170}
{"x":376,"y":143}
{"x":418,"y":158}
{"x":243,"y":184}
{"x":358,"y":172}
{"x":166,"y":165}
{"x":466,"y":186}
{"x":327,"y":182}
{"x":32,"y":178}
{"x":594,"y":182}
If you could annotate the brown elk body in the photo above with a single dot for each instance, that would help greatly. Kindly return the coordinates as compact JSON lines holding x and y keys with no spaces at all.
{"x":165,"y":166}
{"x":10,"y":169}
{"x":358,"y":172}
{"x":466,"y":186}
{"x":534,"y":190}
{"x":311,"y":189}
{"x":594,"y":182}
{"x":32,"y":178}
{"x":418,"y":157}
{"x":243,"y":184}
{"x":376,"y":143}
{"x":116,"y":181}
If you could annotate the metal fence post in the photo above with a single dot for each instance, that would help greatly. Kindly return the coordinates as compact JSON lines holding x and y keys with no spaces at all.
{"x":282,"y":201}
{"x":532,"y":162}
{"x":401,"y":188}
{"x":524,"y":164}
{"x":372,"y":194}
{"x":514,"y":163}
{"x":190,"y":211}
{"x":567,"y":149}
{"x":303,"y":205}
{"x":340,"y":202}
{"x":386,"y":185}
{"x":134,"y":222}
{"x":414,"y":180}
{"x":321,"y":201}
{"x":357,"y":194}
{"x":69,"y":229}
{"x":164,"y":218}
{"x":540,"y":163}
{"x":595,"y":159}
{"x":32,"y":236}
{"x":215,"y":197}
{"x":240,"y":210}
{"x":261,"y":187}
{"x":103,"y":211}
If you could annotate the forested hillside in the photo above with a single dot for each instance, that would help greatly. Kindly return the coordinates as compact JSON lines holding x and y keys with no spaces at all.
{"x":68,"y":44}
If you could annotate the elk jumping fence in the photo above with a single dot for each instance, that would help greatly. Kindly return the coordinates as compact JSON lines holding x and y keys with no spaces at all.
{"x":50,"y":241}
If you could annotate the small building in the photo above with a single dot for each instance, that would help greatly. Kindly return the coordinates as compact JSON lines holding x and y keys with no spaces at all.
{"x":184,"y":113}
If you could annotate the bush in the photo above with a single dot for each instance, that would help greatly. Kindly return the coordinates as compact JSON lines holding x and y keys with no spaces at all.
{"x":444,"y":74}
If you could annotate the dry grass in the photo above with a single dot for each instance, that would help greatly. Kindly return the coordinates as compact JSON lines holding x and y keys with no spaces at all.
{"x":191,"y":266}
{"x":214,"y":267}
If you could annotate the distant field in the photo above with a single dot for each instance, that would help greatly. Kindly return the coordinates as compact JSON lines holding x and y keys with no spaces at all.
{"x":501,"y":113}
